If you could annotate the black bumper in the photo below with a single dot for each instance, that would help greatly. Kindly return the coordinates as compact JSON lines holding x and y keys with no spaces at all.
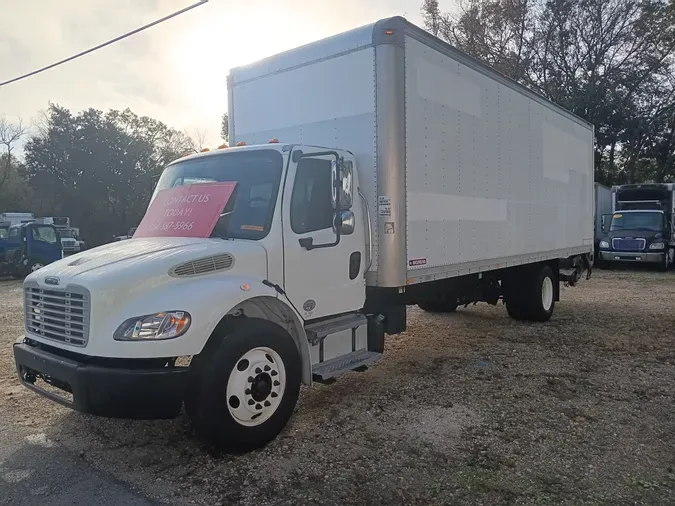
{"x":104,"y":389}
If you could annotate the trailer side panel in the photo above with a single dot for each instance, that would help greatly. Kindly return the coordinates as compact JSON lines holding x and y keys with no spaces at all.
{"x":493,"y":176}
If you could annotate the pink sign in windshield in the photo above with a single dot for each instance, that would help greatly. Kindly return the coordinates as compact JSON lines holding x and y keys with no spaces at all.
{"x":186,"y":211}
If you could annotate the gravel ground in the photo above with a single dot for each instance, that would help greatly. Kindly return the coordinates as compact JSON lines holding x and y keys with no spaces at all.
{"x":468,"y":408}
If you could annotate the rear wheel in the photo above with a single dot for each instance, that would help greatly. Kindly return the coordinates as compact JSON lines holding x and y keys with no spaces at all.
{"x":242,"y":395}
{"x":534,"y":299}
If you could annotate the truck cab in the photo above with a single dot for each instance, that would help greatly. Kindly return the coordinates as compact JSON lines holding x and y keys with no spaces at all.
{"x":637,"y":236}
{"x":29,"y":247}
{"x":289,"y":250}
{"x":640,"y":230}
{"x":69,"y":241}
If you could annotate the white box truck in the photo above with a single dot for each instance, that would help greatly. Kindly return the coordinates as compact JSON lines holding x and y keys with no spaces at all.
{"x":376,"y":169}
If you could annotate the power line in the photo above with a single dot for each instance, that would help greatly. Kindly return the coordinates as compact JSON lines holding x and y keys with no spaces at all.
{"x":111,"y":41}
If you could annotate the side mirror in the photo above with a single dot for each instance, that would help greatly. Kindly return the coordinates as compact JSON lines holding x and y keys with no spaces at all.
{"x":343,"y":172}
{"x":346,"y":221}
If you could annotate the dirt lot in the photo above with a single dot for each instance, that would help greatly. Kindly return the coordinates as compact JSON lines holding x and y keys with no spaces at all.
{"x":470,"y":408}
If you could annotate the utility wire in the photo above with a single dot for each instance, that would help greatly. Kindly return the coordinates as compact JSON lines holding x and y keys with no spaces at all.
{"x":112,"y":41}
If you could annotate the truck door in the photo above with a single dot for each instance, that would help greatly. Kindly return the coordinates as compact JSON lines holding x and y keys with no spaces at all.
{"x":43,"y":244}
{"x":321,"y":279}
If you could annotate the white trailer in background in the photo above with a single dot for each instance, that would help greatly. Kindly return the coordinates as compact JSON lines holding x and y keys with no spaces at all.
{"x":16,"y":218}
{"x":376,"y":169}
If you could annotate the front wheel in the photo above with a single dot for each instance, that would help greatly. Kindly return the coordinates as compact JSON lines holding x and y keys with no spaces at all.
{"x":243,"y":394}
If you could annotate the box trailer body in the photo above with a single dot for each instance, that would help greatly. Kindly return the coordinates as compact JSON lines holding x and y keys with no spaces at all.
{"x":16,"y":218}
{"x":463,"y":169}
{"x":641,"y":228}
{"x":373,"y":170}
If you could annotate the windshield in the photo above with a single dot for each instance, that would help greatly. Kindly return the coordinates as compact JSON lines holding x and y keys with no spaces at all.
{"x":4,"y":232}
{"x":257,"y":173}
{"x":637,"y":221}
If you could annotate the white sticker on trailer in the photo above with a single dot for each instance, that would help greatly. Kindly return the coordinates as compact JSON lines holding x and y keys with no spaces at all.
{"x":384,"y":206}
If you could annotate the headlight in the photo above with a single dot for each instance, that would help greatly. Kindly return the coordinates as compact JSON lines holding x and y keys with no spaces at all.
{"x":604,"y":244}
{"x":165,"y":325}
{"x":657,"y":245}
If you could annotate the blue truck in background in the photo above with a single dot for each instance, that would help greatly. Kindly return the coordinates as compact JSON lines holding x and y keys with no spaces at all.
{"x":27,"y":247}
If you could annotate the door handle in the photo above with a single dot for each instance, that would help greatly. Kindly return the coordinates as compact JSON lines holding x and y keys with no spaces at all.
{"x":354,"y":264}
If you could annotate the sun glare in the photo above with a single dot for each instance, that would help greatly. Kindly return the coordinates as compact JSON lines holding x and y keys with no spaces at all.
{"x":203,"y":54}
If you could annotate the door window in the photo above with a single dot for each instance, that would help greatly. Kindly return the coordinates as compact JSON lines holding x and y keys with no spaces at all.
{"x":44,"y":234}
{"x":3,"y":233}
{"x":311,"y":203}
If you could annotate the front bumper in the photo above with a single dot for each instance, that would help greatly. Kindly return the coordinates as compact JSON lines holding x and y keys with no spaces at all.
{"x":104,"y":387}
{"x":632,"y":256}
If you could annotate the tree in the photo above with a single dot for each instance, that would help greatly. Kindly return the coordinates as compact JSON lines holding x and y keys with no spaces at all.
{"x":225,"y":128}
{"x":97,"y":168}
{"x":10,"y":134}
{"x":608,"y":61}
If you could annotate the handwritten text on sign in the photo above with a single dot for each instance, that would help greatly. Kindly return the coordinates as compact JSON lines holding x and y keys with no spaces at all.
{"x":186,"y":211}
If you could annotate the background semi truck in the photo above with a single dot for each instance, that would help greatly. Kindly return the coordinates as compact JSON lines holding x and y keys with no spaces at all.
{"x":641,"y":228}
{"x":376,"y":169}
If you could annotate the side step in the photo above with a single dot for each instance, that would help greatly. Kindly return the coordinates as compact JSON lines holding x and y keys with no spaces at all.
{"x":336,"y":366}
{"x":317,"y":331}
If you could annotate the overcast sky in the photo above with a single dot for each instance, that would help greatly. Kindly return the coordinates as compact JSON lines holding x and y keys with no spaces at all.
{"x":174,"y":72}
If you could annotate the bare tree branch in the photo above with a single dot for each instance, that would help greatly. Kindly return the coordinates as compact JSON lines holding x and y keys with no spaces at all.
{"x":10,"y":134}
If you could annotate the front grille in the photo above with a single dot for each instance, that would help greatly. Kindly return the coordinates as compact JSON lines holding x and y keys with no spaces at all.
{"x":628,"y":244}
{"x":58,"y":314}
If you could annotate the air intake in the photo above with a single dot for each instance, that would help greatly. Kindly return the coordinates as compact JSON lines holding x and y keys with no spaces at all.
{"x":203,"y":265}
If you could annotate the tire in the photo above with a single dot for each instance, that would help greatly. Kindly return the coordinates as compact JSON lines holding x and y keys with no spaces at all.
{"x":243,"y":392}
{"x":540,"y":301}
{"x":535,"y":300}
{"x":663,"y":266}
{"x":514,"y":309}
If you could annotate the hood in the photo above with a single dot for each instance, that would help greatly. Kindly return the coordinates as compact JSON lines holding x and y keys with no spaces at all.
{"x":145,"y":258}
